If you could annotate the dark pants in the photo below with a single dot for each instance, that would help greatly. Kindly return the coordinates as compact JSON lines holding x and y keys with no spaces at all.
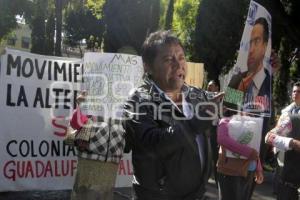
{"x":215,"y":151}
{"x":283,"y":190}
{"x":236,"y":187}
{"x":287,"y":192}
{"x":141,"y":193}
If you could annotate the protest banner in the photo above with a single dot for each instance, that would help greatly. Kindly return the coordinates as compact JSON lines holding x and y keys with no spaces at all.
{"x":37,"y":100}
{"x":108,"y":79}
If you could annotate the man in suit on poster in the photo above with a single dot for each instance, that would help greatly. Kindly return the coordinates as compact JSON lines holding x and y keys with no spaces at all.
{"x":256,"y":81}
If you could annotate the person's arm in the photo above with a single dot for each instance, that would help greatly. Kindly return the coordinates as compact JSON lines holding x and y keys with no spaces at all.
{"x":78,"y":119}
{"x":232,"y":145}
{"x":140,"y":126}
{"x":295,"y":144}
{"x":259,"y":175}
{"x":277,"y":137}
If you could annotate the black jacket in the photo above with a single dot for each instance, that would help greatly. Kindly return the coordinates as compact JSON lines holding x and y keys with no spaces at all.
{"x":291,"y":168}
{"x":165,"y":154}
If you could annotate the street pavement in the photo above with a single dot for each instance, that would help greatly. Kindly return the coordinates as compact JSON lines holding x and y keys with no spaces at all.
{"x":261,"y":192}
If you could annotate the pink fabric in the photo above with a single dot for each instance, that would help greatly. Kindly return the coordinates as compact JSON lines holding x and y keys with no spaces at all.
{"x":229,"y":143}
{"x":225,"y":140}
{"x":78,"y":119}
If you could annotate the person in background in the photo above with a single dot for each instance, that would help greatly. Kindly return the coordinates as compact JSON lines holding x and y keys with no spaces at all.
{"x":237,"y":187}
{"x":165,"y":125}
{"x":285,"y":137}
{"x":213,"y":88}
{"x":98,"y":159}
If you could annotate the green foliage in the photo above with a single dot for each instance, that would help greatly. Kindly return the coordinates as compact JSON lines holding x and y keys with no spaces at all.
{"x":295,"y":70}
{"x":163,"y":11}
{"x":185,"y":22}
{"x":96,"y":6}
{"x":169,"y":15}
{"x":58,"y":26}
{"x":50,"y":29}
{"x":7,"y":21}
{"x":285,"y":39}
{"x":129,"y":22}
{"x":8,"y":11}
{"x":38,"y":27}
{"x":80,"y":23}
{"x":280,"y":90}
{"x":218,"y":32}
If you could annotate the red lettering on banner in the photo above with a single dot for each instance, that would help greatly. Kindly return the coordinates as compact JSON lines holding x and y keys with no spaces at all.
{"x":73,"y":166}
{"x":14,"y":170}
{"x":56,"y":172}
{"x":48,"y":169}
{"x":20,"y":169}
{"x":29,"y":170}
{"x":9,"y":173}
{"x":60,"y":123}
{"x":125,"y":167}
{"x":129,"y":168}
{"x":122,"y":168}
{"x":39,"y":166}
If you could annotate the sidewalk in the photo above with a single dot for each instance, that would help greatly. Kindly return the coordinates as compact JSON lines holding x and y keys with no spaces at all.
{"x":261,"y":192}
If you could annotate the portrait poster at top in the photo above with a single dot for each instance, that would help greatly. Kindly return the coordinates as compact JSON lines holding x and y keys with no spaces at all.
{"x":249,"y":81}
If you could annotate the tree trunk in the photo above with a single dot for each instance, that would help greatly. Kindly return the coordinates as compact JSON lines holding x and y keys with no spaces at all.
{"x":58,"y":23}
{"x":169,"y":15}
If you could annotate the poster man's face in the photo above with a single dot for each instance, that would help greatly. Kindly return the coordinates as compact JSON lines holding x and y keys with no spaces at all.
{"x":169,"y":68}
{"x":257,"y":49}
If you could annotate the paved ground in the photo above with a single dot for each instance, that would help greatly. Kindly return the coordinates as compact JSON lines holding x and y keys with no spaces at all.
{"x":262,"y":192}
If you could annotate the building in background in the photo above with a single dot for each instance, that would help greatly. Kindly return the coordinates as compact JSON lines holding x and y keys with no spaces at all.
{"x":20,"y":38}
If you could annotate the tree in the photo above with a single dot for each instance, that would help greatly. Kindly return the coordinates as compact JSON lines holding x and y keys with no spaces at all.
{"x":169,"y":15}
{"x":129,"y":22}
{"x":286,"y":41}
{"x":280,"y":92}
{"x":185,"y":21}
{"x":218,"y":32}
{"x":58,"y":26}
{"x":50,"y":29}
{"x":9,"y":10}
{"x":80,"y":23}
{"x":38,"y":27}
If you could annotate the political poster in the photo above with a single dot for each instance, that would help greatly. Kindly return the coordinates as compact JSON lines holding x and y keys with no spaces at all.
{"x":249,"y":82}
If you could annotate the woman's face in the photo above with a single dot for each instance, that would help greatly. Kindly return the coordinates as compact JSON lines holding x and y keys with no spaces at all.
{"x":169,"y":68}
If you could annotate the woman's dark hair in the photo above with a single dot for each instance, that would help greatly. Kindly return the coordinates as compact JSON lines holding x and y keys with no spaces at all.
{"x":262,"y":21}
{"x":154,"y":42}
